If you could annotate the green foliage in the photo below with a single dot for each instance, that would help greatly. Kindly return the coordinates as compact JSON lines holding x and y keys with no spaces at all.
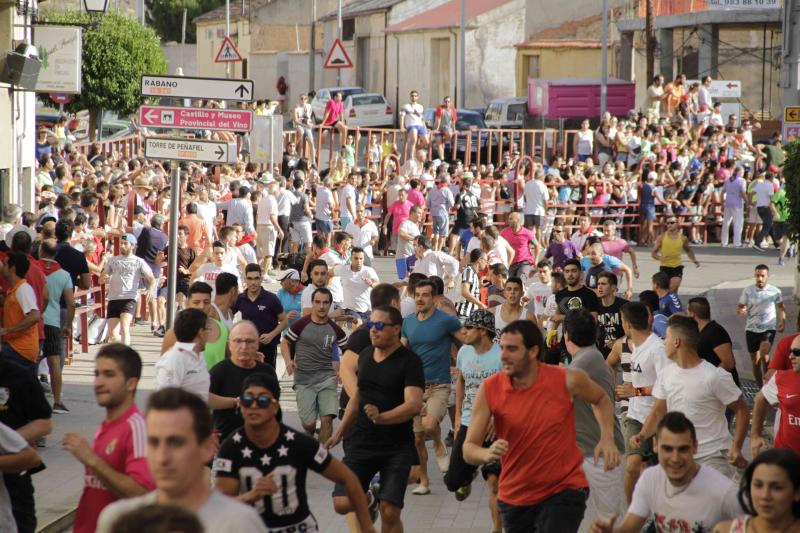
{"x":166,"y":16}
{"x":791,"y":172}
{"x":117,"y":51}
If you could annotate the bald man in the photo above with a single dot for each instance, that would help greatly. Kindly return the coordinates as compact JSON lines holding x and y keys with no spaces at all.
{"x":228,"y":375}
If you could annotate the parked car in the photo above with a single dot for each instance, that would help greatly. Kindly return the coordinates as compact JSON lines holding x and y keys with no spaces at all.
{"x":323,"y":95}
{"x":368,"y":110}
{"x":466,"y":120}
{"x":506,"y":113}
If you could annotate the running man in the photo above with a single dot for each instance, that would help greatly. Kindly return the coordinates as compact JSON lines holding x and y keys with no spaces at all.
{"x":542,"y":485}
{"x":265,"y":464}
{"x":478,"y":359}
{"x":762,"y":305}
{"x":667,"y":251}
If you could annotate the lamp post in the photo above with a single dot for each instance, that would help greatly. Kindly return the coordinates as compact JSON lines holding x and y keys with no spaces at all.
{"x":95,"y":6}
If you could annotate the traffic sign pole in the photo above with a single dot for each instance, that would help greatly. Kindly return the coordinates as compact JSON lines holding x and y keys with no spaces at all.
{"x":172,"y":257}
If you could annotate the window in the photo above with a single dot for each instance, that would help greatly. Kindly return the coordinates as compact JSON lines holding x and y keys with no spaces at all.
{"x":516,"y":111}
{"x":533,"y":66}
{"x":370,"y":99}
{"x":348,"y":29}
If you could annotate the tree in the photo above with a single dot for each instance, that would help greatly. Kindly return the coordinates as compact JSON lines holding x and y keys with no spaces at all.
{"x":117,"y":51}
{"x":166,"y":17}
{"x":791,"y":172}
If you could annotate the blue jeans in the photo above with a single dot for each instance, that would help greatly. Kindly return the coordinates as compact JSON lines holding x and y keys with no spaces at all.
{"x":12,"y":356}
{"x":766,"y":223}
{"x":562,"y":512}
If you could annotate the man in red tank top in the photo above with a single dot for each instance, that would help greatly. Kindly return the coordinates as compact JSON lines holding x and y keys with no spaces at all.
{"x":542,"y":485}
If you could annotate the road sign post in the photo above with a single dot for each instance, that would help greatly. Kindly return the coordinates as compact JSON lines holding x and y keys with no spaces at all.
{"x":189,"y":87}
{"x":791,"y":122}
{"x":193,"y":118}
{"x":172,"y":258}
{"x":220,"y":152}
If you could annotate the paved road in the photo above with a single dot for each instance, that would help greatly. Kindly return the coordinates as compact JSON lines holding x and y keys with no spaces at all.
{"x":722,"y":276}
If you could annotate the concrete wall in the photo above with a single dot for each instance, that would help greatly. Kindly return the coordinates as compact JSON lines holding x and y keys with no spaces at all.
{"x":543,"y":14}
{"x":370,"y":27}
{"x":740,"y":53}
{"x":264,"y":73}
{"x":209,"y":39}
{"x":181,"y":55}
{"x":17,"y":142}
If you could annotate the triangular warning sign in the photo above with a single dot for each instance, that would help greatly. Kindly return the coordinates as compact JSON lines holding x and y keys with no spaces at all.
{"x":228,"y":52}
{"x":337,"y":57}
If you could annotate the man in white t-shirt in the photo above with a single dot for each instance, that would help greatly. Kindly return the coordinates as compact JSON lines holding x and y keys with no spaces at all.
{"x":536,"y":196}
{"x":679,"y":494}
{"x":268,"y":230}
{"x":411,"y":121}
{"x":347,"y":201}
{"x":538,"y":292}
{"x":122,"y":273}
{"x":18,"y":456}
{"x":208,"y":272}
{"x":174,"y":415}
{"x":325,"y":207}
{"x":406,"y":233}
{"x":357,"y":282}
{"x":364,"y":232}
{"x":763,"y":190}
{"x":434,"y":263}
{"x":701,"y":391}
{"x":647,"y":360}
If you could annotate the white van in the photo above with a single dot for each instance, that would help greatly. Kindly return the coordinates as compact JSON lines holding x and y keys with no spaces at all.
{"x":506,"y":113}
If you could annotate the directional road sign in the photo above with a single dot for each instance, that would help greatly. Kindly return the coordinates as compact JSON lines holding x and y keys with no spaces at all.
{"x":188,"y":87}
{"x":721,"y":88}
{"x":198,"y":150}
{"x":192,"y":118}
{"x":791,"y":114}
{"x":228,"y":52}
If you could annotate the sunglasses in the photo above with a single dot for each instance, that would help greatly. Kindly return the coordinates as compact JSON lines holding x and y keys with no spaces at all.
{"x":795,"y":352}
{"x":671,"y":222}
{"x":378,"y":325}
{"x":262,"y":402}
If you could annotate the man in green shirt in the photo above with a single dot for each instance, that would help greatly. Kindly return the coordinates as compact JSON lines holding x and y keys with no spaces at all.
{"x":780,"y":215}
{"x":774,"y":153}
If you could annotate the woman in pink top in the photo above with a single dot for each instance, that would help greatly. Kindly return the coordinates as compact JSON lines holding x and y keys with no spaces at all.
{"x":399,"y":211}
{"x":414,"y":196}
{"x":334,"y":117}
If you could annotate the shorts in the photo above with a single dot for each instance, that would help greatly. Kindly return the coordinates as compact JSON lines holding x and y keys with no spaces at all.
{"x":115,"y":308}
{"x":648,"y":213}
{"x":672,"y":272}
{"x":440,"y":226}
{"x":324,"y":226}
{"x":304,"y":131}
{"x":393,"y":464}
{"x":446,"y":129}
{"x":266,"y":237}
{"x":156,"y":270}
{"x":300,"y":231}
{"x":779,"y":231}
{"x":317,"y":400}
{"x":403,"y":266}
{"x":420,"y":130}
{"x":332,"y":124}
{"x":754,"y":339}
{"x":533,"y":221}
{"x":753,"y":216}
{"x":435,"y":400}
{"x":631,"y":427}
{"x":53,"y":342}
{"x":307,"y":525}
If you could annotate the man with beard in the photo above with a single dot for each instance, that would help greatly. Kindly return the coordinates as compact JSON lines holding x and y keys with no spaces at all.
{"x":609,"y":318}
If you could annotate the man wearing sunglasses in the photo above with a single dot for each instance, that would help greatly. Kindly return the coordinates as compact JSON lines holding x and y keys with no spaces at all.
{"x":380,"y":412}
{"x":265,"y":464}
{"x":782,"y":391}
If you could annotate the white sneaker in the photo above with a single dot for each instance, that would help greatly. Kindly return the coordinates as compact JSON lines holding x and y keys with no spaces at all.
{"x":421,"y":490}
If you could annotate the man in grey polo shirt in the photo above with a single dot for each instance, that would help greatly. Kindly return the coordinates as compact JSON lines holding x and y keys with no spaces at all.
{"x":307,"y":350}
{"x":605,"y":498}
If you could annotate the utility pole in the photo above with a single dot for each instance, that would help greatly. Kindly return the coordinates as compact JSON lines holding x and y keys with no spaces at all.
{"x":650,"y":40}
{"x":312,"y":47}
{"x":790,"y":73}
{"x":462,"y":91}
{"x":604,"y":61}
{"x":228,"y":33}
{"x":339,"y":33}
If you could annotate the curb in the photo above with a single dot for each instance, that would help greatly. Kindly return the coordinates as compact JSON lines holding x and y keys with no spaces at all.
{"x":60,"y":524}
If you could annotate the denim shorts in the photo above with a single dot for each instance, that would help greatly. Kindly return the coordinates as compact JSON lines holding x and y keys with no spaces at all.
{"x":440,"y":226}
{"x":325,"y":226}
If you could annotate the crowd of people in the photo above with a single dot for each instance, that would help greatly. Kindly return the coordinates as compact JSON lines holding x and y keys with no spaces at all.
{"x":510,"y":318}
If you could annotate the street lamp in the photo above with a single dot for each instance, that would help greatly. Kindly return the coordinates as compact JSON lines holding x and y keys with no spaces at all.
{"x":95,"y":6}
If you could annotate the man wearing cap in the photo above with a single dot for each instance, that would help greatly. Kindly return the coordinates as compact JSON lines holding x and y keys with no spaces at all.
{"x":265,"y":458}
{"x":290,"y":294}
{"x":263,"y":309}
{"x":477,"y":359}
{"x":123,"y":273}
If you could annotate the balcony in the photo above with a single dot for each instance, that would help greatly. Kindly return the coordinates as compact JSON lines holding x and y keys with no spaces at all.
{"x":673,"y":13}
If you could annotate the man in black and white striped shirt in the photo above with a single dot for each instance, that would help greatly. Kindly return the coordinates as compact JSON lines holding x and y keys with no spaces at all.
{"x":471,"y":284}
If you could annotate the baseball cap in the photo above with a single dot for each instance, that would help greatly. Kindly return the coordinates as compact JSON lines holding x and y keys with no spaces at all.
{"x":130,"y":238}
{"x":262,"y":379}
{"x":138,"y":210}
{"x":290,"y":274}
{"x":480,"y":318}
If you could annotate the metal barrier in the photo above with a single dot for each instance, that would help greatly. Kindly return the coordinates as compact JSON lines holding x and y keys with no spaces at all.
{"x":127,"y":147}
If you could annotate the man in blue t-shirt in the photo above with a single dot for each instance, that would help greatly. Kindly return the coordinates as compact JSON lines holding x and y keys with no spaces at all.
{"x":430,"y":333}
{"x":668,"y":302}
{"x":597,"y":261}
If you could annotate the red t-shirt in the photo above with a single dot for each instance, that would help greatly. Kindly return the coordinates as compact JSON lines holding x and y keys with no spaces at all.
{"x":538,"y":422}
{"x":399,"y":212}
{"x":780,"y":359}
{"x":120,"y":443}
{"x":788,"y":396}
{"x":336,"y":109}
{"x":519,"y":242}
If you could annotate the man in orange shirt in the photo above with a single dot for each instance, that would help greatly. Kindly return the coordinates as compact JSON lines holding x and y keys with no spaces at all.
{"x":198,"y":229}
{"x":21,"y":316}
